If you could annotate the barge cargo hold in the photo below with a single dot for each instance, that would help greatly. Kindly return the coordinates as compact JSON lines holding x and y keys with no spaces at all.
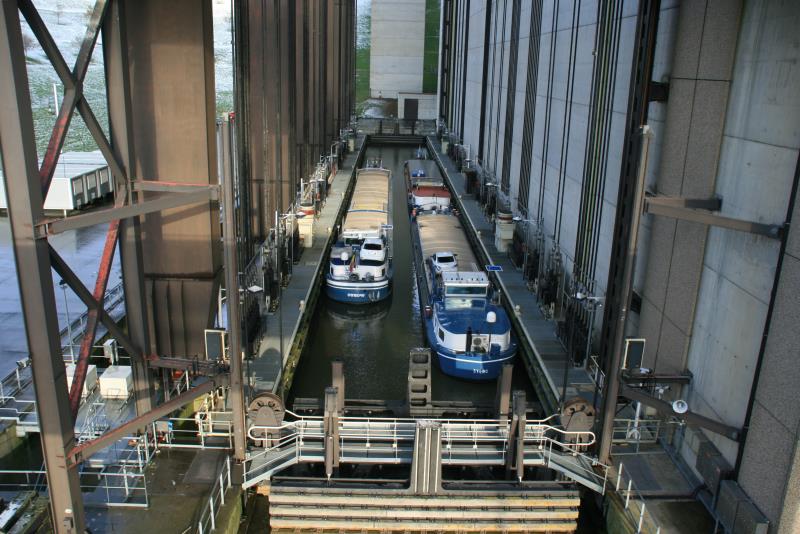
{"x":360,"y":266}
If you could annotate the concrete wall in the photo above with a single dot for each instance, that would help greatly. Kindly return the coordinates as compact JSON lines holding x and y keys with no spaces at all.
{"x":563,"y":93}
{"x":398,"y":44}
{"x":758,"y":166}
{"x":731,"y":131}
{"x":426,"y":103}
{"x":730,"y":128}
{"x":472,"y":96}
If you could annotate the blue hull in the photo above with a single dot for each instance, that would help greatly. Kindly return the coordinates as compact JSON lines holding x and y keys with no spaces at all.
{"x":353,"y":294}
{"x":471,"y":365}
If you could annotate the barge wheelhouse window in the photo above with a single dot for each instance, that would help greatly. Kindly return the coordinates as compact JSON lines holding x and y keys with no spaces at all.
{"x":465,"y":291}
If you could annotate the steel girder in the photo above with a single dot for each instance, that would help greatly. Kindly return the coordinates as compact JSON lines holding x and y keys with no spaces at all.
{"x":25,"y":208}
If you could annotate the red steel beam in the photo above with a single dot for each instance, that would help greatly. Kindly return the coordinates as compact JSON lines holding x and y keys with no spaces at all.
{"x":57,"y":138}
{"x":100,"y":286}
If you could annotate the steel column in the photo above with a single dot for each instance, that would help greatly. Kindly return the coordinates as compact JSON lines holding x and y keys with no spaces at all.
{"x":638,"y":103}
{"x":487,"y":32}
{"x":174,"y":137}
{"x":626,"y":291}
{"x":337,"y":381}
{"x":331,"y":428}
{"x":115,"y":43}
{"x":232,"y":287}
{"x":25,"y":206}
{"x":503,"y":395}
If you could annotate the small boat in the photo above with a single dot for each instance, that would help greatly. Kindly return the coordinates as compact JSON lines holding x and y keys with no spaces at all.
{"x":360,"y":265}
{"x":426,"y":189}
{"x":465,"y":325}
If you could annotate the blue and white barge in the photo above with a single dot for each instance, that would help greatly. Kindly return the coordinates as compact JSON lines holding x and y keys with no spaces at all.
{"x":360,"y":265}
{"x":465,"y":326}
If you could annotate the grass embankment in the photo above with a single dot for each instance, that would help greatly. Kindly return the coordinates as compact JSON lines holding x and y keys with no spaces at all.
{"x":430,"y":60}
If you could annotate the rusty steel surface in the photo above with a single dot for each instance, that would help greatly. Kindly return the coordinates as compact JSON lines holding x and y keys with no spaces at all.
{"x":297,"y":62}
{"x":90,"y":333}
{"x":65,"y":272}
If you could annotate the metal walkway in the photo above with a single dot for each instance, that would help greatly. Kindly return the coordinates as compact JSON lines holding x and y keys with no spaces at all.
{"x":463,"y":442}
{"x":278,"y":340}
{"x":538,"y":334}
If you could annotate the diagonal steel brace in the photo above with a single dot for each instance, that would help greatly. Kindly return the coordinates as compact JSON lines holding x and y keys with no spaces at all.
{"x":73,"y":85}
{"x":77,"y":286}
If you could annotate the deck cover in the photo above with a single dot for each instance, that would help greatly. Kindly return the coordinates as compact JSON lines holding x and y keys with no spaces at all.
{"x":370,"y":202}
{"x":443,"y":233}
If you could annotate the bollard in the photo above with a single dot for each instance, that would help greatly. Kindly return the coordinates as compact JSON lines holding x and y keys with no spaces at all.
{"x":503,"y":397}
{"x":520,"y":408}
{"x":337,"y":381}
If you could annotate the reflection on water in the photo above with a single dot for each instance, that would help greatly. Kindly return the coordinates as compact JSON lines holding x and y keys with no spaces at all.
{"x":373,"y":341}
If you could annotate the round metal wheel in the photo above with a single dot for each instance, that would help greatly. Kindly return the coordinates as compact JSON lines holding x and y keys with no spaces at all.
{"x":266,"y":410}
{"x":578,"y":415}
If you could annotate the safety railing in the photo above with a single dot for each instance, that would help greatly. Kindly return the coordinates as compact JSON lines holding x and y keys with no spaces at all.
{"x":95,"y":423}
{"x":393,"y":126}
{"x":637,"y":431}
{"x":182,"y":385}
{"x":195,"y":433}
{"x":216,"y":499}
{"x":596,"y":372}
{"x":122,"y":486}
{"x":15,"y":381}
{"x":19,"y":411}
{"x":633,"y":502}
{"x":387,"y":440}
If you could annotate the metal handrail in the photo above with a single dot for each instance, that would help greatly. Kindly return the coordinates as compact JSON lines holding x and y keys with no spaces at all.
{"x":485,"y":439}
{"x":113,"y":298}
{"x":216,"y":499}
{"x":636,"y":431}
{"x":643,"y":518}
{"x":127,"y":488}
